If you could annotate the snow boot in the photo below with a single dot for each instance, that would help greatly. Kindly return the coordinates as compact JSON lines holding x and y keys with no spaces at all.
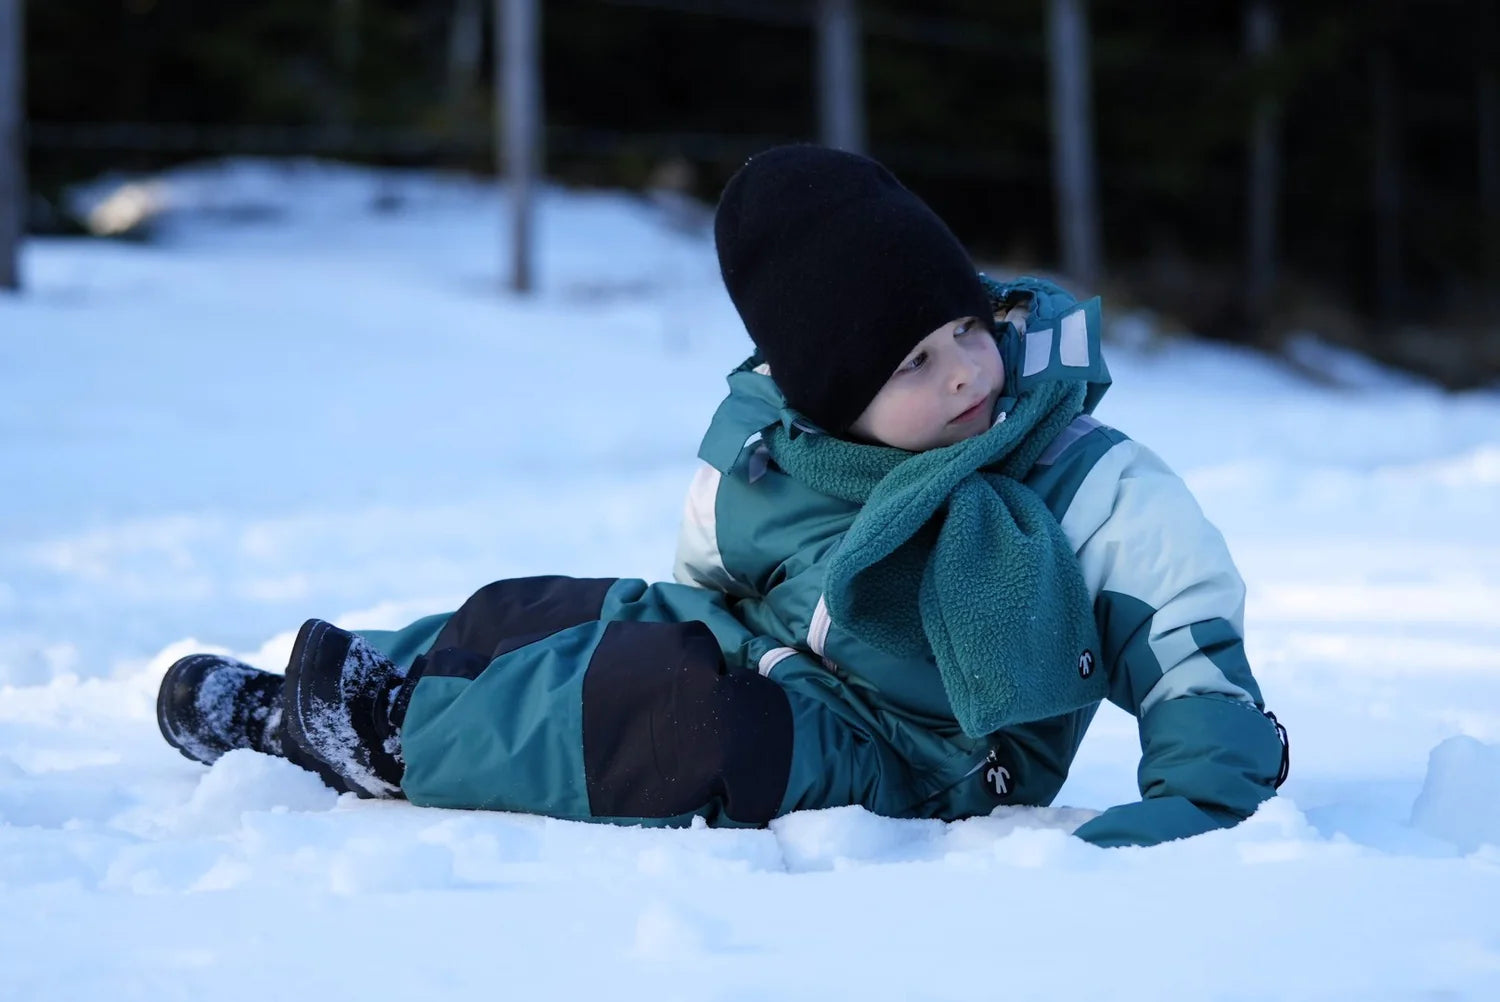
{"x":344,"y":703}
{"x":209,"y":704}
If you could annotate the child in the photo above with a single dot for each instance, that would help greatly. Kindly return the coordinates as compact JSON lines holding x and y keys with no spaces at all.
{"x":911,"y":567}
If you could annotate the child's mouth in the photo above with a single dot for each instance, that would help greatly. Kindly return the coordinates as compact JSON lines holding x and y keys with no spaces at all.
{"x":970,"y":414}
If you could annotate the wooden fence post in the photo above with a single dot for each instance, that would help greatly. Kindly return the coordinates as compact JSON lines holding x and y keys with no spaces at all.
{"x":1073,"y":167}
{"x":518,"y":108}
{"x":840,"y":76}
{"x":12,"y":141}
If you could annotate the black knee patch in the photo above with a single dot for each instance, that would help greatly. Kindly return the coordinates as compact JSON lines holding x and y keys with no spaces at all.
{"x":507,"y":614}
{"x":668,"y":730}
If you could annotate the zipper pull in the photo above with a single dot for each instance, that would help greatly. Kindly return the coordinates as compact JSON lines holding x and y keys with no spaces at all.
{"x":990,"y":758}
{"x":996,"y":775}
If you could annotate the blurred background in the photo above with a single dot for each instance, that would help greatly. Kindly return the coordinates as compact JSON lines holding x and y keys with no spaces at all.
{"x":1247,"y":170}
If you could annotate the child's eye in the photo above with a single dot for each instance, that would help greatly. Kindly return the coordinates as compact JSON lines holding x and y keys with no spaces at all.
{"x":914,"y":363}
{"x":967,"y":327}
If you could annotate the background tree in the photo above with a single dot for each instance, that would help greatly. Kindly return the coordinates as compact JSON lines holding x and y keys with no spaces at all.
{"x":1487,"y":114}
{"x":1385,"y":178}
{"x":1265,"y":167}
{"x":465,"y":51}
{"x":13,"y":197}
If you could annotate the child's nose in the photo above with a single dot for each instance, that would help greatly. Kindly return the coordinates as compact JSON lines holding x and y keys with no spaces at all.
{"x":964,"y":372}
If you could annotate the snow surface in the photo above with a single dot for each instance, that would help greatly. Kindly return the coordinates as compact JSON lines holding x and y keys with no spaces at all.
{"x":308,"y":396}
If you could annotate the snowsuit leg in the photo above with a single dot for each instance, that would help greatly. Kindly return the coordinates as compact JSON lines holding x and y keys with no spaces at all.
{"x":617,"y":701}
{"x":613,"y":700}
{"x":602,"y":700}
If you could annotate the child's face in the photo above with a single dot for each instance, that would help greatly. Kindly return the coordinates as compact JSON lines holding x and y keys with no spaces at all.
{"x":944,"y":391}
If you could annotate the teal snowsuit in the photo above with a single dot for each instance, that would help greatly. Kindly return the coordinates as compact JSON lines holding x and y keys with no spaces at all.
{"x":731,"y":694}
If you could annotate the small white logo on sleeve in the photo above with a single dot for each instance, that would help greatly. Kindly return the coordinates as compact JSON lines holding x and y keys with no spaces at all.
{"x":1000,"y":777}
{"x":1086,"y":664}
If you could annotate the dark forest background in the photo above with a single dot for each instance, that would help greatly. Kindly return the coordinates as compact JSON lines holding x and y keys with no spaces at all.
{"x":1387,"y":233}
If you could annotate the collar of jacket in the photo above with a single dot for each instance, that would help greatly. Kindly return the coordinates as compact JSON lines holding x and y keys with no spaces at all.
{"x":753,"y":405}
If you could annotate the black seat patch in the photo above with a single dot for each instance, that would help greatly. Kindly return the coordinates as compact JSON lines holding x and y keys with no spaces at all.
{"x":669,"y":731}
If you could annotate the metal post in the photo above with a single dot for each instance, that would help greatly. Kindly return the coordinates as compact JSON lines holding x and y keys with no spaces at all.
{"x":840,"y":76}
{"x":1265,"y":156}
{"x":518,"y":110}
{"x":12,"y":144}
{"x":1073,"y":140}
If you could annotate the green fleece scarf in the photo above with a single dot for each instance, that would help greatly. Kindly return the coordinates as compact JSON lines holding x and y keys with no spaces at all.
{"x":951,"y":554}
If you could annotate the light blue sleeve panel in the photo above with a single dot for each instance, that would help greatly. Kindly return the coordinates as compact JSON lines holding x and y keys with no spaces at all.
{"x":1170,"y":609}
{"x":1169,"y":599}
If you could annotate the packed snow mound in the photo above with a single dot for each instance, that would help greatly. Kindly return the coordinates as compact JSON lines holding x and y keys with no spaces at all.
{"x":244,"y":781}
{"x":1460,"y":800}
{"x":843,"y":837}
{"x":1347,"y":368}
{"x":253,"y":190}
{"x":587,"y":244}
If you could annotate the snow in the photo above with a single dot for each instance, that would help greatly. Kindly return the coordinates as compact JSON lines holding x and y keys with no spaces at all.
{"x":308,"y":396}
{"x":1460,"y":799}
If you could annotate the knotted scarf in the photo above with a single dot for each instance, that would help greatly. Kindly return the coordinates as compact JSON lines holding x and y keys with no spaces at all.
{"x":952,"y":554}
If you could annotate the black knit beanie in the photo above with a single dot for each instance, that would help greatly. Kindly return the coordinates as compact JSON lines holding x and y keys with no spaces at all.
{"x":837,"y":270}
